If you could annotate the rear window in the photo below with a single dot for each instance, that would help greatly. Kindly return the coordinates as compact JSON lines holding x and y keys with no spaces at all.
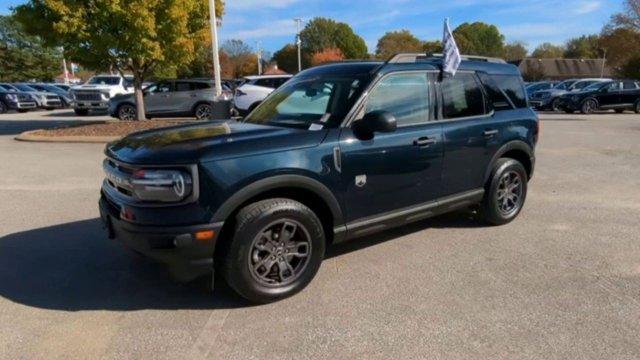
{"x":462,"y":97}
{"x":504,"y":90}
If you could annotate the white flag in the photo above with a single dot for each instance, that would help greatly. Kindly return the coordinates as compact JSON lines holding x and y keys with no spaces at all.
{"x":452,"y":59}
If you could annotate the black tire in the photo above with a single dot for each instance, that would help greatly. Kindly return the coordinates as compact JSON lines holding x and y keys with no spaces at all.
{"x":203,"y":112}
{"x":555,"y":105}
{"x":245,"y":248}
{"x":22,"y":111}
{"x":3,"y":108}
{"x":588,"y":106}
{"x":81,"y":112}
{"x":127,"y":112}
{"x":636,"y":107}
{"x":619,"y":111}
{"x":492,"y":208}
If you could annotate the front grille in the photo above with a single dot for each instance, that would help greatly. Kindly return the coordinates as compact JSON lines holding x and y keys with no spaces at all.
{"x":89,"y":96}
{"x":52,"y":97}
{"x":24,"y":97}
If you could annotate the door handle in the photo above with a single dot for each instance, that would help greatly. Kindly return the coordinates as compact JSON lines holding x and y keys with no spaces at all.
{"x":490,"y":133}
{"x":424,"y":141}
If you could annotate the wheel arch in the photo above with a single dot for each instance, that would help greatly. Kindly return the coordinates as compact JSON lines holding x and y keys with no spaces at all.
{"x":517,"y":150}
{"x":303,"y":189}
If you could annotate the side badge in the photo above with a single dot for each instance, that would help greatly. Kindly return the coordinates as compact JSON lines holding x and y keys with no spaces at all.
{"x":361,"y":180}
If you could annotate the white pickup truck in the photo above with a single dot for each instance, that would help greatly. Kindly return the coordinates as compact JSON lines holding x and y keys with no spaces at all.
{"x":96,"y":93}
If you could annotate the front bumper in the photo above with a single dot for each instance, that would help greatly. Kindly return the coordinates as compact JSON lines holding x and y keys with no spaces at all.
{"x":175,"y":246}
{"x":22,"y":105}
{"x":540,"y":103}
{"x":91,"y":105}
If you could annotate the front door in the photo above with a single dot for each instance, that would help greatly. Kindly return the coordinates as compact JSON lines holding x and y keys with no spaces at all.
{"x":610,"y":97}
{"x":396,"y":170}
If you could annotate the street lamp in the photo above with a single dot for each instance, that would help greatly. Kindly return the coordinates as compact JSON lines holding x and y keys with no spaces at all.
{"x":298,"y":42}
{"x":214,"y":44}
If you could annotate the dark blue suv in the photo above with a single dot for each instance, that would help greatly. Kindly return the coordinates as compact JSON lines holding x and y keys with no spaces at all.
{"x":340,"y":151}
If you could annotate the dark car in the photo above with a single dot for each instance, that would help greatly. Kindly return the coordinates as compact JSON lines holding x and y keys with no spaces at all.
{"x":12,"y":100}
{"x":618,"y":95}
{"x":540,"y":86}
{"x":550,"y":99}
{"x":339,"y":152}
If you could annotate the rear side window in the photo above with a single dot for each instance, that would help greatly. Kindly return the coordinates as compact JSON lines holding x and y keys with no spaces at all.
{"x":462,"y":97}
{"x":629,"y":85}
{"x":504,"y":90}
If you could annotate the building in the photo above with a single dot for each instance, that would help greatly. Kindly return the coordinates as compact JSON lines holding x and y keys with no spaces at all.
{"x":561,"y":69}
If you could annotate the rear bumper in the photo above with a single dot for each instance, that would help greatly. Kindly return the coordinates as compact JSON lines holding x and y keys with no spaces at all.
{"x":176,"y":247}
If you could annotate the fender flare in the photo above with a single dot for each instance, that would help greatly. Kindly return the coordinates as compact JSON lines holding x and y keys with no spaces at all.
{"x":512,"y":145}
{"x":275,"y":182}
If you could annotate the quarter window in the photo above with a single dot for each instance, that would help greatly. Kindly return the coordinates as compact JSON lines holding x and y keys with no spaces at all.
{"x":406,"y":96}
{"x":183,"y":86}
{"x":462,"y":97}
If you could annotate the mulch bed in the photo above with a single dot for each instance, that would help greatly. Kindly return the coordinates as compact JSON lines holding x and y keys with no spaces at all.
{"x":111,"y":128}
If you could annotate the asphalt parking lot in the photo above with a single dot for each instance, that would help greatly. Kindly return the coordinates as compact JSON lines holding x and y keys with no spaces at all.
{"x":561,"y":282}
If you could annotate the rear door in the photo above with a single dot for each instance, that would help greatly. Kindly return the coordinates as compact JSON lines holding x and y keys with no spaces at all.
{"x":472,"y":134}
{"x":157,"y":97}
{"x":183,"y":97}
{"x":611,"y":97}
{"x":400,"y":169}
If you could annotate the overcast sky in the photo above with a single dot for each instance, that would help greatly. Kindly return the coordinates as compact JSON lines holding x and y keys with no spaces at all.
{"x":531,"y":21}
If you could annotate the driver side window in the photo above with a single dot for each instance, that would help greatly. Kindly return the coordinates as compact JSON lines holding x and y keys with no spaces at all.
{"x":406,"y":96}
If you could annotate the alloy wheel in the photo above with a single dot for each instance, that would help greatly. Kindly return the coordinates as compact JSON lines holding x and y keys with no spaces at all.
{"x":280,"y":253}
{"x":203,"y":112}
{"x":509,"y":197}
{"x":589,"y":106}
{"x":127,"y":113}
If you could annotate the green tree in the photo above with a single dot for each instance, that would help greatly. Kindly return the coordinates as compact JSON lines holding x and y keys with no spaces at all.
{"x":434,"y":46}
{"x":395,"y":42}
{"x":631,"y":69}
{"x":135,"y":36}
{"x":548,"y":51}
{"x":322,"y":33}
{"x":583,"y":47}
{"x":515,"y":51}
{"x":479,"y":39}
{"x":287,"y":58}
{"x":24,"y":57}
{"x":622,"y":45}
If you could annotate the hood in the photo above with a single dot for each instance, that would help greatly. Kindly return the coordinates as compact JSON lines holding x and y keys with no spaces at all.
{"x":94,"y":87}
{"x":194,"y":143}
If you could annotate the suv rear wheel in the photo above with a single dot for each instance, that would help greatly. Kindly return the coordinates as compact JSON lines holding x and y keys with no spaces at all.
{"x":555,"y":105}
{"x":203,"y":112}
{"x":505,"y":193}
{"x":276,"y":250}
{"x":127,"y":112}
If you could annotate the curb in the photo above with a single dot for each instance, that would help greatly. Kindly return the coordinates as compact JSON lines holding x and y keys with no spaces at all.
{"x":28,"y":136}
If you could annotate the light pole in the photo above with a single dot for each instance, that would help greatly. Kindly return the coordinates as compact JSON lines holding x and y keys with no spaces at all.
{"x":214,"y":44}
{"x":604,"y":61}
{"x":259,"y":58}
{"x":298,"y":42}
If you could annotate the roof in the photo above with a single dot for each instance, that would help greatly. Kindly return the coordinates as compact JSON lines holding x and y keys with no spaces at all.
{"x":255,"y":77}
{"x":564,"y":68}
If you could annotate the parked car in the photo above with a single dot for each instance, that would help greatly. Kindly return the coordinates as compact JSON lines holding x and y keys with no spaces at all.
{"x":96,"y":93}
{"x":254,"y":89}
{"x":65,"y":97}
{"x":12,"y":100}
{"x":341,"y":151}
{"x":549,"y":99}
{"x":43,"y":100}
{"x":169,"y":98}
{"x":64,"y":87}
{"x":539,"y":86}
{"x":618,"y":95}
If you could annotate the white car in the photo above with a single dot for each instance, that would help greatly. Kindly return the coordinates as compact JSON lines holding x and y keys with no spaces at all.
{"x":96,"y":93}
{"x":255,"y":89}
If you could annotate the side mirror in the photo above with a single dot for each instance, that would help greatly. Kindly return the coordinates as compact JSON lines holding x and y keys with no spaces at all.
{"x":373,"y":122}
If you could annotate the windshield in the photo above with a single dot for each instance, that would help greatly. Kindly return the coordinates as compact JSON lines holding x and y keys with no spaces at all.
{"x":564,"y":85}
{"x":104,"y":80}
{"x":22,"y":87}
{"x":309,"y":103}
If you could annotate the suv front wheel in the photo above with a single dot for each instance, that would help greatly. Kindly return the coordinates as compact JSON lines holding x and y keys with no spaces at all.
{"x":127,"y":112}
{"x":505,"y":193}
{"x":276,"y":250}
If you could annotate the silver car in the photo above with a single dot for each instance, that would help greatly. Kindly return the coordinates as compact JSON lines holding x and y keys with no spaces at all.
{"x":170,"y":98}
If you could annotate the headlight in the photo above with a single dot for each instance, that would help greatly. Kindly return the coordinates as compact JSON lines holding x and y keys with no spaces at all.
{"x":161,"y":185}
{"x":12,"y":97}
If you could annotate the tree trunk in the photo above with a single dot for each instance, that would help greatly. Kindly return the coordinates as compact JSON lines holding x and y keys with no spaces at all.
{"x":139,"y":95}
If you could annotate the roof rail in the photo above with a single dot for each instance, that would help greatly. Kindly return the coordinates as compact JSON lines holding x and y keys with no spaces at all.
{"x":415,"y":57}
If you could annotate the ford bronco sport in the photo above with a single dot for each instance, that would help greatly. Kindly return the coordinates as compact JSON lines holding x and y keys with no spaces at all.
{"x":341,"y":151}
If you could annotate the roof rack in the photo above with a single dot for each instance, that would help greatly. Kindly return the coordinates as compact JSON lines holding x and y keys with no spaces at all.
{"x":416,"y":57}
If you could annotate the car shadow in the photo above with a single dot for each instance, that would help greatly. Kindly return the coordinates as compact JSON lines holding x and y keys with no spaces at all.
{"x":72,"y":114}
{"x":15,"y":127}
{"x":74,"y":267}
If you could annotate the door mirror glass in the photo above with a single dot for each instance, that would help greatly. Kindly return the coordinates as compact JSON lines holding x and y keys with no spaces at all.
{"x":376,"y":121}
